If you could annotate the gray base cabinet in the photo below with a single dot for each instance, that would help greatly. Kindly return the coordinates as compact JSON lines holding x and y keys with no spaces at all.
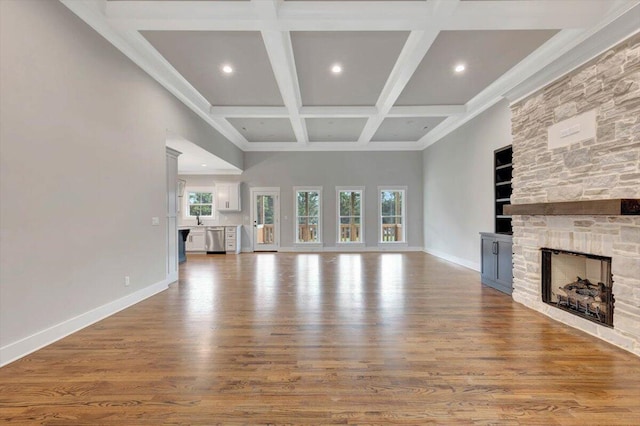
{"x":497,"y":263}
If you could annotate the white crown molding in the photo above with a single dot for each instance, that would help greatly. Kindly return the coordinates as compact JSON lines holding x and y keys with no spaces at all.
{"x":336,"y":111}
{"x":622,"y":28}
{"x":333,"y":146}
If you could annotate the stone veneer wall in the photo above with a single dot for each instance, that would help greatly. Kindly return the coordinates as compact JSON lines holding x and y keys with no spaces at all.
{"x":602,"y":168}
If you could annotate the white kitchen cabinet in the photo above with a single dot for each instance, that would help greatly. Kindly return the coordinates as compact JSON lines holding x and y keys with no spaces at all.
{"x":228,"y":197}
{"x":195,"y":240}
{"x":232,"y":241}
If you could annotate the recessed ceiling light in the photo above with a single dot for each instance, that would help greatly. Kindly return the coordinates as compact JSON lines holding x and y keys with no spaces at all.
{"x":336,"y":69}
{"x":203,"y":165}
{"x":459,"y":68}
{"x":227,"y":69}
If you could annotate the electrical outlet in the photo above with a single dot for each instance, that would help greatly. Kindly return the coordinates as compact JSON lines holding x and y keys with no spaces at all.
{"x":127,"y":281}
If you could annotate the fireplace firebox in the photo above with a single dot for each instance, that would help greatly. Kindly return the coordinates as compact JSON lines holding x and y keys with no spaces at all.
{"x":578,"y":283}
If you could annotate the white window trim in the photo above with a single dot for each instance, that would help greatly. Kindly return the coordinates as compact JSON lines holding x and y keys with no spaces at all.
{"x":404,"y":242}
{"x":297,"y":189}
{"x":340,"y":189}
{"x":189,"y":189}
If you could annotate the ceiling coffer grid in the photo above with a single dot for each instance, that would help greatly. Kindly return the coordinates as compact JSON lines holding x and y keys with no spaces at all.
{"x":397,"y":89}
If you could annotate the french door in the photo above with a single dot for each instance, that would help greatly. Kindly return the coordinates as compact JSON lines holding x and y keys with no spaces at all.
{"x":265,"y":217}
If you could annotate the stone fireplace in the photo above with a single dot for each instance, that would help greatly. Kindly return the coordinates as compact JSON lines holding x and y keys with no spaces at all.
{"x":578,"y":140}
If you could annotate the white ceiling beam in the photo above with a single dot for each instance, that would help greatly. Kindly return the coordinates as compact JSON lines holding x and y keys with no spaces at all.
{"x":427,"y":111}
{"x":280,"y":52}
{"x":410,"y":57}
{"x":249,"y":111}
{"x":413,"y":51}
{"x":352,"y":16}
{"x":337,"y":111}
{"x":140,"y":51}
{"x":334,"y":146}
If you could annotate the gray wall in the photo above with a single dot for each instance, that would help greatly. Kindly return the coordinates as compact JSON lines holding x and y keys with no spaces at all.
{"x":458,"y":186}
{"x":329,"y":170}
{"x":82,"y":155}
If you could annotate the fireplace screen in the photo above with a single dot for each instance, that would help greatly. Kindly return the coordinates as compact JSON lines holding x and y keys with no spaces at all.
{"x":578,"y":283}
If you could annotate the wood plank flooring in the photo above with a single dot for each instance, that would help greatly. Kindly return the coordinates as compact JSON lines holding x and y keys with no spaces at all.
{"x":375,"y":338}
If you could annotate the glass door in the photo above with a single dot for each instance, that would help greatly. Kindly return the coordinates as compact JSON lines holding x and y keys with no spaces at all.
{"x":265,"y":212}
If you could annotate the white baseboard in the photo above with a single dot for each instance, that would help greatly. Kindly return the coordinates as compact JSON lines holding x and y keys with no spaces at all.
{"x":341,"y":249}
{"x":454,"y":259}
{"x":29,"y":344}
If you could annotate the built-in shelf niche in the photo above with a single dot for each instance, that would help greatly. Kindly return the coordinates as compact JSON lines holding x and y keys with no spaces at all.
{"x":503,"y":172}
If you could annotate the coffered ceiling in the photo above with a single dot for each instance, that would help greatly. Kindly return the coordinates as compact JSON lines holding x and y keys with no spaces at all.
{"x":347,"y":75}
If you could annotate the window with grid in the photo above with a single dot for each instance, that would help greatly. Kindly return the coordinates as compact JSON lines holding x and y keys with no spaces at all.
{"x":308,"y":211}
{"x":199,"y":204}
{"x":350,"y":223}
{"x":392,"y":211}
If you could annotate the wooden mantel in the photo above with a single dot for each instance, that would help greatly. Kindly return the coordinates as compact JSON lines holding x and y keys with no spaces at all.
{"x":615,"y":207}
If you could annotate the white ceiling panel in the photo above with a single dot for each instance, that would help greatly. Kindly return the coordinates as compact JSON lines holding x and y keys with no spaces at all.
{"x":264,"y":129}
{"x":486,"y":55}
{"x":335,"y":129}
{"x":200,"y":55}
{"x":366,"y":59}
{"x":405,"y":129}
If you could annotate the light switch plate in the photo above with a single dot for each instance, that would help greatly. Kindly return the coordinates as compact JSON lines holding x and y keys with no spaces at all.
{"x":155,"y":221}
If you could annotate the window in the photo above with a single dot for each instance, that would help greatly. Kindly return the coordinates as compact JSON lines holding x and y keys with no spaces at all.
{"x":199,"y":203}
{"x":308,"y":210}
{"x":350,"y":212}
{"x":392,"y":211}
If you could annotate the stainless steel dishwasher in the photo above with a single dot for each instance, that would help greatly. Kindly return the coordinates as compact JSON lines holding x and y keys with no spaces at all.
{"x":214,"y":239}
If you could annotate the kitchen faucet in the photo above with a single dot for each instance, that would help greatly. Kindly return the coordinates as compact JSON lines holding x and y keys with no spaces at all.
{"x":198,"y":221}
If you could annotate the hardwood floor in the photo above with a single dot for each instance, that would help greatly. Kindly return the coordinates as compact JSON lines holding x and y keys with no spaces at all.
{"x":376,"y":338}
